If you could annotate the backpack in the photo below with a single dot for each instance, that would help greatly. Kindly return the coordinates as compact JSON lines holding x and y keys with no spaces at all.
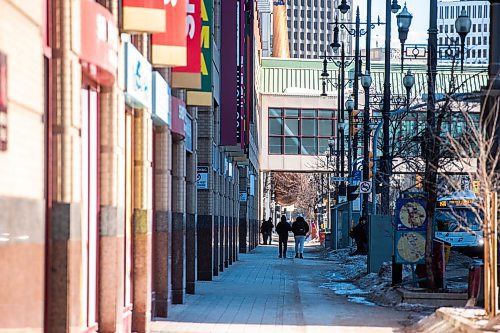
{"x":301,"y":229}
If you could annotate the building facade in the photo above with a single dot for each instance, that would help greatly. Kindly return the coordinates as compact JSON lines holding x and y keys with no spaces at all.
{"x":118,"y":191}
{"x":310,"y":29}
{"x":477,"y":41}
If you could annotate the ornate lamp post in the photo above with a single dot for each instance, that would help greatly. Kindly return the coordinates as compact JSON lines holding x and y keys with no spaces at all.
{"x":462,"y":27}
{"x":366,"y":82}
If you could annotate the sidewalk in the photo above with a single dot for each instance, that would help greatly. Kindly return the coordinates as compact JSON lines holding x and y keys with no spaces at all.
{"x":261,"y":293}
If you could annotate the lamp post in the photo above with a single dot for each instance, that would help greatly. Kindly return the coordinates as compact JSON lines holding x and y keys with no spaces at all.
{"x":404,"y":21}
{"x":462,"y":27}
{"x":366,"y":82}
{"x":386,"y":159}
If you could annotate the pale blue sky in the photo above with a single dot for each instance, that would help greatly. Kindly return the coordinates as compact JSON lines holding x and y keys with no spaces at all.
{"x":418,"y":28}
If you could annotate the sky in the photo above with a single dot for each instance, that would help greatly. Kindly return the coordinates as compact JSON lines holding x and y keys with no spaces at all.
{"x":418,"y":29}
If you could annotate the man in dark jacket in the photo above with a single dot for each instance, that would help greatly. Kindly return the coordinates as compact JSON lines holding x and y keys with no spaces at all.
{"x":300,"y":228}
{"x":360,"y":235}
{"x":266,"y":229}
{"x":282,"y":229}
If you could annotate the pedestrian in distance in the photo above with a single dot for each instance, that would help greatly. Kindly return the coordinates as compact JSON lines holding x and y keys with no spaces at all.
{"x":360,"y":235}
{"x":282,"y":230}
{"x":266,"y":229}
{"x":300,"y":229}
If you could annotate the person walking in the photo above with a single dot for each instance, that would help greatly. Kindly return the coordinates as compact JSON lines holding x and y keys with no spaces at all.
{"x":282,"y":230}
{"x":266,"y":230}
{"x":360,"y":235}
{"x":300,"y":228}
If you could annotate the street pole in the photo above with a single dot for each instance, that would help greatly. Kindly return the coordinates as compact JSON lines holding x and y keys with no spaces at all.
{"x":366,"y":111}
{"x":341,"y":97}
{"x":385,"y":167}
{"x":355,"y":88}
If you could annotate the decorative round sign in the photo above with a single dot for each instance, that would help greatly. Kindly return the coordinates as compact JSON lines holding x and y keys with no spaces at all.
{"x":411,"y":246}
{"x":412,"y":215}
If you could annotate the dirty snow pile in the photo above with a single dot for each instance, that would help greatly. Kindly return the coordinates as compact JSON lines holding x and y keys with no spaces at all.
{"x":349,"y":278}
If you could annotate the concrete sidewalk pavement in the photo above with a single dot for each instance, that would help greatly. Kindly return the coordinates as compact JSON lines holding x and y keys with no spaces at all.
{"x":261,"y":293}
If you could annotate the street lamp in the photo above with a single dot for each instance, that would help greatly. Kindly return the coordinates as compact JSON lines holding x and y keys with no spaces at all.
{"x":366,"y":82}
{"x":395,"y":7}
{"x":404,"y":21}
{"x":349,"y":105}
{"x":408,"y":82}
{"x":462,"y":26}
{"x":336,"y":44}
{"x":344,"y":7}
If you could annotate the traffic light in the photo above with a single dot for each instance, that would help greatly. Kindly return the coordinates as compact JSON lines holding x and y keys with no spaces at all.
{"x":370,"y":165}
{"x":476,"y":185}
{"x":418,"y":181}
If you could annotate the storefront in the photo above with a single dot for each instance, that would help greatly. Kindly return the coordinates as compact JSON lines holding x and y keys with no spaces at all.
{"x":98,"y":59}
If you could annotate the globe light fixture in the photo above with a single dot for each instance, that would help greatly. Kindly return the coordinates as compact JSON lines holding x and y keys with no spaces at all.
{"x":366,"y":80}
{"x":462,"y":27}
{"x":344,"y":7}
{"x":336,"y":44}
{"x":395,"y":7}
{"x":349,"y":105}
{"x":408,"y":80}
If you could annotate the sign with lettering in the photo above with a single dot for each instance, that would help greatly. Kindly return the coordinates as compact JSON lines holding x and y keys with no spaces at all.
{"x":138,"y":80}
{"x":190,"y":75}
{"x":161,"y":101}
{"x":202,"y":178}
{"x":203,"y":96}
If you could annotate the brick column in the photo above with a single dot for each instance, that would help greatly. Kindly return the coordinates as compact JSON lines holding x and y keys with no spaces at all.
{"x":191,"y":208}
{"x":162,"y":220}
{"x":178,"y":221}
{"x":222,"y":223}
{"x":205,"y":197}
{"x":244,"y":226}
{"x":142,"y":217}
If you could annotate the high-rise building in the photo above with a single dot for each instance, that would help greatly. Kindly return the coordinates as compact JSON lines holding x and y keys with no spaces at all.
{"x":310,"y":28}
{"x":477,"y":41}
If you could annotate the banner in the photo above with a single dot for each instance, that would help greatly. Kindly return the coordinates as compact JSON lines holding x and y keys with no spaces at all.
{"x":169,"y":48}
{"x":203,"y":97}
{"x":190,"y":75}
{"x":144,"y":15}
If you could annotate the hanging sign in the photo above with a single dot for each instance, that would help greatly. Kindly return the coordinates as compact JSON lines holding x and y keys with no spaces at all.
{"x":190,"y":75}
{"x":169,"y":48}
{"x":143,"y":15}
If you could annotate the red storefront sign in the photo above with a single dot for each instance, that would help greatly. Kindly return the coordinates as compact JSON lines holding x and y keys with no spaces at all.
{"x":3,"y":102}
{"x":193,"y":33}
{"x":169,"y":48}
{"x":190,"y":75}
{"x":178,"y":115}
{"x":99,"y":48}
{"x":144,"y":15}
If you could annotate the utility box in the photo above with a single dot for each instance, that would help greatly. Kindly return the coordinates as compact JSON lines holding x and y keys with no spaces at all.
{"x":380,"y":241}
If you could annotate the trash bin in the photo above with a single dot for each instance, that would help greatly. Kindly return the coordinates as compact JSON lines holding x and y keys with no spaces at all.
{"x":475,"y":282}
{"x":322,"y":238}
{"x":328,"y":240}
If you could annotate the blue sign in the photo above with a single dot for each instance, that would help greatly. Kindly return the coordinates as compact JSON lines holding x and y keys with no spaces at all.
{"x":138,"y":81}
{"x":162,"y":105}
{"x":356,"y":175}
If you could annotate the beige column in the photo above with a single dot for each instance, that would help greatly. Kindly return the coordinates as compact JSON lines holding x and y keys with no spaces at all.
{"x":64,"y":301}
{"x":142,"y":229}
